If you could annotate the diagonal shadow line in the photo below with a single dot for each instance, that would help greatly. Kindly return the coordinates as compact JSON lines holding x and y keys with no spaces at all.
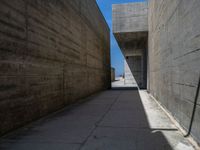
{"x":141,"y":128}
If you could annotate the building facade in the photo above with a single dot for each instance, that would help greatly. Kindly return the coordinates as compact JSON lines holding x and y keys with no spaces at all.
{"x":160,"y":40}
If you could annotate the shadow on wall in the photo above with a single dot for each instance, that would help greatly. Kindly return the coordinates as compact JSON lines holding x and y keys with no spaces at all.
{"x":137,"y":67}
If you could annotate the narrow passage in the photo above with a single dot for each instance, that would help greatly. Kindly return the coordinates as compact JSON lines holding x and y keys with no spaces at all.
{"x":110,"y":120}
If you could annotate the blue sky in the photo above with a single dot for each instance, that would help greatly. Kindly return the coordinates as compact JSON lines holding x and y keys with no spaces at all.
{"x":116,"y":56}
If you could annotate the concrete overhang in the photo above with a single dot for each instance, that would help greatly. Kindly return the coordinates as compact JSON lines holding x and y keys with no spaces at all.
{"x":130,"y":26}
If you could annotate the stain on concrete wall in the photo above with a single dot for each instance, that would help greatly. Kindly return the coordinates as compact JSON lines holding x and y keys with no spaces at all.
{"x":52,"y":53}
{"x":174,"y":57}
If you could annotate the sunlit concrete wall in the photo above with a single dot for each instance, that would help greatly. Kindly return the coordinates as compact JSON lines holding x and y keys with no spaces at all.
{"x":52,"y":53}
{"x":174,"y":57}
{"x":130,"y":17}
{"x":128,"y":75}
{"x":130,"y":63}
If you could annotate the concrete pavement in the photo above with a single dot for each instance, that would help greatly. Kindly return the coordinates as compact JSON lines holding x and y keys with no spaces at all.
{"x":120,"y":83}
{"x":110,"y":120}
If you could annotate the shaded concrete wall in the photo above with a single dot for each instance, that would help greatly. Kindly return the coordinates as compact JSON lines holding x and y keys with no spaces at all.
{"x":112,"y":74}
{"x":128,"y":75}
{"x":174,"y":57}
{"x":134,"y":70}
{"x":52,"y":52}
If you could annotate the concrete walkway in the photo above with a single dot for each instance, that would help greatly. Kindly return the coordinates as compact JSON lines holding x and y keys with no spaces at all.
{"x":120,"y":83}
{"x":111,"y":120}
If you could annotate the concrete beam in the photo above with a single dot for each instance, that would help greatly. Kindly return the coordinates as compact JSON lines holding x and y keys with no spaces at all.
{"x":130,"y":17}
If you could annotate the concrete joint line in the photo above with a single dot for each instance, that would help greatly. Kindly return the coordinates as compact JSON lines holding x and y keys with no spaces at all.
{"x":96,"y":124}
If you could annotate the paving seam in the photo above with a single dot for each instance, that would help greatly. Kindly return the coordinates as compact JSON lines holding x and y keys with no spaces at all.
{"x":96,"y":124}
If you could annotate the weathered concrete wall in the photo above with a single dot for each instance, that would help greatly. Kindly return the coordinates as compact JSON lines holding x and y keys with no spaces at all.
{"x":130,"y":17}
{"x":52,"y":53}
{"x":174,"y":57}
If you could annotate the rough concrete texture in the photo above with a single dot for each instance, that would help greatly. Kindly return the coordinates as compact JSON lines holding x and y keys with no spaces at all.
{"x":130,"y":17}
{"x":111,"y":120}
{"x":174,"y":57}
{"x":130,"y":26}
{"x":52,"y":52}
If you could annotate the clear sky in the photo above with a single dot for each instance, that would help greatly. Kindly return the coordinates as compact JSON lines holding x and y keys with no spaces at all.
{"x":117,"y":60}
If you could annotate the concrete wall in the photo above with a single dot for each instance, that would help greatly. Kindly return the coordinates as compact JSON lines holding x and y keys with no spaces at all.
{"x":128,"y":75}
{"x":112,"y":74}
{"x":52,"y":53}
{"x":174,"y":57}
{"x":133,"y":70}
{"x":130,"y":17}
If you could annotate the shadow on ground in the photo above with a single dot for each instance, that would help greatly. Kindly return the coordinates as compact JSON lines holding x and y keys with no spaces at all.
{"x":111,"y":120}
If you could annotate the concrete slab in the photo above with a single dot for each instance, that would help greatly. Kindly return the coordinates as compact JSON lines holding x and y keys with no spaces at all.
{"x":111,"y":120}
